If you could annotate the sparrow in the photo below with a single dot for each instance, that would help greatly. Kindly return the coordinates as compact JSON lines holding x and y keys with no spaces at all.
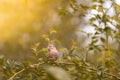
{"x":53,"y":52}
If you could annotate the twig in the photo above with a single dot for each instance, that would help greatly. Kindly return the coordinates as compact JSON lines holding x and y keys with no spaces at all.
{"x":33,"y":65}
{"x":109,"y":74}
{"x":11,"y":78}
{"x":118,"y":78}
{"x":90,"y":68}
{"x":36,"y":65}
{"x":66,"y":63}
{"x":93,"y":69}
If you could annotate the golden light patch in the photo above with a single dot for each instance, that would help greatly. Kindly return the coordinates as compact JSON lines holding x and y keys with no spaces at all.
{"x":17,"y":15}
{"x":13,"y":15}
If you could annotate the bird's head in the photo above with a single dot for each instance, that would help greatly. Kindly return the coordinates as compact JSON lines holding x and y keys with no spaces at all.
{"x":50,"y":47}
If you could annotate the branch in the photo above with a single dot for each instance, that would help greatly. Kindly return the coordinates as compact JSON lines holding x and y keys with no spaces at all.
{"x":109,"y":74}
{"x":33,"y":65}
{"x":66,"y":63}
{"x":118,"y":78}
{"x":36,"y":65}
{"x":11,"y":78}
{"x":93,"y":69}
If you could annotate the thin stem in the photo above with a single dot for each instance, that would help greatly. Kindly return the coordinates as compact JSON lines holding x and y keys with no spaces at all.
{"x":11,"y":78}
{"x":33,"y":65}
{"x":107,"y":42}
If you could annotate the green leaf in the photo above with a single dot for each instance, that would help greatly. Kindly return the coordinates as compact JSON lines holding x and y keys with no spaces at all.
{"x":94,"y":0}
{"x":95,"y":25}
{"x":100,"y":9}
{"x":101,"y":1}
{"x":107,"y":30}
{"x":94,"y":37}
{"x":43,"y":50}
{"x":116,"y":18}
{"x":83,"y":6}
{"x":94,"y":6}
{"x":55,"y":41}
{"x":92,"y":19}
{"x":91,"y":48}
{"x":73,"y":1}
{"x":45,"y":36}
{"x":53,"y":31}
{"x":118,"y":27}
{"x":98,"y":16}
{"x":102,"y":39}
{"x":94,"y":41}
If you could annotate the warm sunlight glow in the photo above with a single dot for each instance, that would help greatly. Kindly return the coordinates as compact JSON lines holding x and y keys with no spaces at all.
{"x":12,"y":12}
{"x":20,"y":15}
{"x":16,"y":15}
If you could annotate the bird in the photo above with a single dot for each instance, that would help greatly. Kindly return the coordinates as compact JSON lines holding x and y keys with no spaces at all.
{"x":53,"y":52}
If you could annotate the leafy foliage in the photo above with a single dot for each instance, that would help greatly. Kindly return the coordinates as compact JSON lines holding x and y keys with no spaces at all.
{"x":73,"y":65}
{"x":99,"y":60}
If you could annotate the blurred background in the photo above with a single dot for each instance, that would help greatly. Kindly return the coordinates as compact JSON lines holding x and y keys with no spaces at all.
{"x":89,"y":28}
{"x":23,"y":22}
